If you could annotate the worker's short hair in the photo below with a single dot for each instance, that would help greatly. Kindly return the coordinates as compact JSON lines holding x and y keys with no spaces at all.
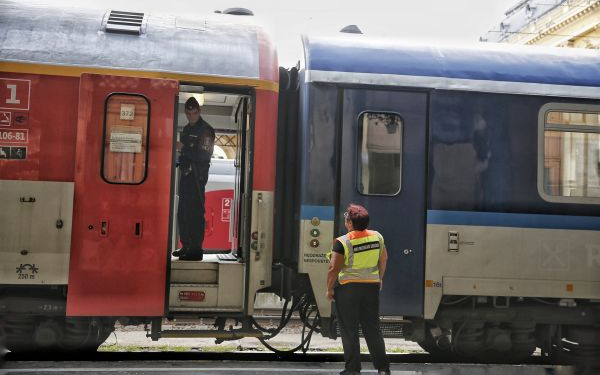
{"x":192,"y":103}
{"x":358,"y":215}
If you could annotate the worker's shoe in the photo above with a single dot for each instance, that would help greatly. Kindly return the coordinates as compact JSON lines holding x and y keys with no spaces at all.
{"x":192,"y":254}
{"x":348,"y":372}
{"x":179,"y":252}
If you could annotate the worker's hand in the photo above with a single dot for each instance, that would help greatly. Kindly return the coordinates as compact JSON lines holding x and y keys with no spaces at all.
{"x":329,"y":295}
{"x":179,"y":146}
{"x":380,"y":284}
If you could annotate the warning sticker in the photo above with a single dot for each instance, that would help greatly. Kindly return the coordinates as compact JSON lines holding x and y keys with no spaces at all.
{"x":5,"y":118}
{"x":126,"y":139}
{"x":15,"y":153}
{"x":226,"y":209}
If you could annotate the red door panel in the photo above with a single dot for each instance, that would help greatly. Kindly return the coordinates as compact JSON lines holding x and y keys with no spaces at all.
{"x":120,"y":230}
{"x":217,"y":215}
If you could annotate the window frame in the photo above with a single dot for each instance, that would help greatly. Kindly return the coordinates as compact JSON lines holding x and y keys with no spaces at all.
{"x":358,"y":160}
{"x":561,"y":107}
{"x":105,"y":117}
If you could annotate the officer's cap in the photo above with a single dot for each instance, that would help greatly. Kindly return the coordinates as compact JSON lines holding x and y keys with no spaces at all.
{"x":192,"y":103}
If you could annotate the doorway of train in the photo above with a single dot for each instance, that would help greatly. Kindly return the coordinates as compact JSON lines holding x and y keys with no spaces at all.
{"x":383,"y":167}
{"x":215,"y":283}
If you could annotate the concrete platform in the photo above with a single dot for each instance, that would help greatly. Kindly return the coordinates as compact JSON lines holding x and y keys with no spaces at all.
{"x":262,"y":368}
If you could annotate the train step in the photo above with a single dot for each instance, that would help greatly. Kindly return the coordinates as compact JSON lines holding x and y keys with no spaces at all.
{"x":208,"y":285}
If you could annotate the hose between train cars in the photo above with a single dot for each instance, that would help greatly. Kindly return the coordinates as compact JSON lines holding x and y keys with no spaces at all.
{"x":306,"y":309}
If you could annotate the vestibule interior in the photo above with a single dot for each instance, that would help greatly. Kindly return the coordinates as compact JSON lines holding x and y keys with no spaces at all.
{"x":216,"y":281}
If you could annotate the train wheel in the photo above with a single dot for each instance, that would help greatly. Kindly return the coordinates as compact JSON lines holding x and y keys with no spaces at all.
{"x":495,"y":342}
{"x":59,"y":334}
{"x":85,"y":334}
{"x":19,"y":333}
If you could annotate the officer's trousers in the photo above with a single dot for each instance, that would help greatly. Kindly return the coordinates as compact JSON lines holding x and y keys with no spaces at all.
{"x":190,"y":215}
{"x":358,"y":303}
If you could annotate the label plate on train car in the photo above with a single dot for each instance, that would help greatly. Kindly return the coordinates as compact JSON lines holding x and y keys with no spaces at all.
{"x":14,"y":93}
{"x":13,"y":135}
{"x":192,"y":295}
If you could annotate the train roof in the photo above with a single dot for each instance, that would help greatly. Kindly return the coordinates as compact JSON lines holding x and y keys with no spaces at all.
{"x":215,"y":45}
{"x":358,"y":59}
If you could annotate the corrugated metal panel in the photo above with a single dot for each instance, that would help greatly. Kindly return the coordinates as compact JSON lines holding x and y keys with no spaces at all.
{"x":214,"y":45}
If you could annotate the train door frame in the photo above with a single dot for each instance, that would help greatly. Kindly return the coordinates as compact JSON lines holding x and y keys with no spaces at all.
{"x":402,"y":294}
{"x":243,"y":173}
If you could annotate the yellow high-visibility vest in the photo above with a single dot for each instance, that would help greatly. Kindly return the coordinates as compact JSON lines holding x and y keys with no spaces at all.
{"x":362,"y":250}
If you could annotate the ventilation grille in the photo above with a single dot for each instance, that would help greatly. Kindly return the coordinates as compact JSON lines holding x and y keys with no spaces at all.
{"x":124,"y":22}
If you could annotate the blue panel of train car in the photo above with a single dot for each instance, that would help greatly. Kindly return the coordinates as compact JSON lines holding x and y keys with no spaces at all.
{"x":434,"y":136}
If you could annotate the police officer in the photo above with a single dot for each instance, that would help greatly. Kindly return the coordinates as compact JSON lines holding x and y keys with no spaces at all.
{"x":357,"y":264}
{"x":196,"y":147}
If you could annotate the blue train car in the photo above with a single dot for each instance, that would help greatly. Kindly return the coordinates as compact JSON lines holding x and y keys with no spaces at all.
{"x":480,"y":167}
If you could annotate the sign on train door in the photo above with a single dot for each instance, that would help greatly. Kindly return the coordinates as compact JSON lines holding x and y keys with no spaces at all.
{"x":383,"y":167}
{"x":121,"y":210}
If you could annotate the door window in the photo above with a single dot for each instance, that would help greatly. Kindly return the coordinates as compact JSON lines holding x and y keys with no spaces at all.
{"x":380,"y":152}
{"x":125,"y":151}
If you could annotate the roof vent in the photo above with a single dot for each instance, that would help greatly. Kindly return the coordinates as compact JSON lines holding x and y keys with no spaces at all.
{"x":351,"y":29}
{"x":124,"y":22}
{"x":238,"y":12}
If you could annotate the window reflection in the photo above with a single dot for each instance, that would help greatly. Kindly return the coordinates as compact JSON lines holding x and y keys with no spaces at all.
{"x":380,"y":149}
{"x":572,"y":156}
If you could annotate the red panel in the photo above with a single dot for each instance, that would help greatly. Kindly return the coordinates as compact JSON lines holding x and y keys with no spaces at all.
{"x":217,"y":215}
{"x":48,"y":118}
{"x":265,"y":140}
{"x":267,"y":58}
{"x":113,"y":271}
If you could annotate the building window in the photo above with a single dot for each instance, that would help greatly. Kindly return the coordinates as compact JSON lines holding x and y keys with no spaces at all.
{"x":126,"y":122}
{"x":571,"y":141}
{"x":380,"y":153}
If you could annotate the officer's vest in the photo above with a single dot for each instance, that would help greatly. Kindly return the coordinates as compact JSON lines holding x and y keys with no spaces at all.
{"x":362,"y":250}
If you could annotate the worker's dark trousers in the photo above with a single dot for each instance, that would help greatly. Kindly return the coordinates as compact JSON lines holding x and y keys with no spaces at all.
{"x":359,"y":303}
{"x":190,"y":215}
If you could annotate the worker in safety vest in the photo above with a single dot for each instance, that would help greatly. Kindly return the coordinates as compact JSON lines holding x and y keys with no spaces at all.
{"x":354,"y":279}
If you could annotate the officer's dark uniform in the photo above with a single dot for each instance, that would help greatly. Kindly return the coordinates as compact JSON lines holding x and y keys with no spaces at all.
{"x":198,"y":143}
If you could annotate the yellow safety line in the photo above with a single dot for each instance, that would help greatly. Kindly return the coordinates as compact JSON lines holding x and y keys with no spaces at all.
{"x":76,"y":71}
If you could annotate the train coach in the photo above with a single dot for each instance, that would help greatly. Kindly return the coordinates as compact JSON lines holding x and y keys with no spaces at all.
{"x":92,"y":106}
{"x":480,"y":166}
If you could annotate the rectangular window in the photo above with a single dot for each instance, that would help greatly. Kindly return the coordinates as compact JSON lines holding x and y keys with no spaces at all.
{"x":380,"y":153}
{"x":571,"y":141}
{"x":126,"y":122}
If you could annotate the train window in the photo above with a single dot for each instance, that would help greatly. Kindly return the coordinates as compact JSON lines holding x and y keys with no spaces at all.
{"x":125,"y":153}
{"x":380,"y":153}
{"x":571,"y":141}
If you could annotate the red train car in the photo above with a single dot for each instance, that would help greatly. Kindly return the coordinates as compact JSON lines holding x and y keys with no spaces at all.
{"x":91,"y":106}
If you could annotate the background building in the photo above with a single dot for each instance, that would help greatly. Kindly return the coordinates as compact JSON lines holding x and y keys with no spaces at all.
{"x":562,"y":23}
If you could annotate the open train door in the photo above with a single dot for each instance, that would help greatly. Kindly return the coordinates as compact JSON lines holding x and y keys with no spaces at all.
{"x":383,"y":167}
{"x":124,"y":159}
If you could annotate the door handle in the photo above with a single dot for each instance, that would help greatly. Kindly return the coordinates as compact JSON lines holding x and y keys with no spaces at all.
{"x":103,"y":228}
{"x":138,"y":230}
{"x":27,"y":200}
{"x":407,"y":251}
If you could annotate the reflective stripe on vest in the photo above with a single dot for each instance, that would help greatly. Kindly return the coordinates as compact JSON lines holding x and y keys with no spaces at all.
{"x":362,"y":250}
